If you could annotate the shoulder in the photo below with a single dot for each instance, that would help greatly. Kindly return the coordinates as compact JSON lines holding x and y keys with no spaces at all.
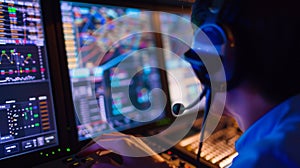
{"x":278,"y":149}
{"x":274,"y":140}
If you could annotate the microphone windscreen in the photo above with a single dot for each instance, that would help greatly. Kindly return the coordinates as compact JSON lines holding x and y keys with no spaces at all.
{"x":178,"y":108}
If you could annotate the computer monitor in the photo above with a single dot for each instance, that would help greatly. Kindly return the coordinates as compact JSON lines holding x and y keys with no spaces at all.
{"x":27,"y":115}
{"x":184,"y":87}
{"x":103,"y":67}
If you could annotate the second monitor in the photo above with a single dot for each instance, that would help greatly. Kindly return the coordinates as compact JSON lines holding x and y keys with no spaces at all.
{"x":112,"y":68}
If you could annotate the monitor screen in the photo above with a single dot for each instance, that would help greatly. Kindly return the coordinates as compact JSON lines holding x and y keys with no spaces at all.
{"x":112,"y":77}
{"x":27,"y":117}
{"x":184,"y":87}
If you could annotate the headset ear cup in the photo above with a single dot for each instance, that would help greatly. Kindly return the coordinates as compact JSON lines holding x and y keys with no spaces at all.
{"x":206,"y":49}
{"x":223,"y":40}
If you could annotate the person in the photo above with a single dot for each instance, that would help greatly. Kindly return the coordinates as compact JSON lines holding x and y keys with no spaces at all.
{"x":264,"y":92}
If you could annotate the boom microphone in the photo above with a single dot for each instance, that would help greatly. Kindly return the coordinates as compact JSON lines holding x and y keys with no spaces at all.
{"x":179,"y":108}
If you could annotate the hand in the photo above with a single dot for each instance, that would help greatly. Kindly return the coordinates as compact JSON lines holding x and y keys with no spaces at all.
{"x":129,"y":147}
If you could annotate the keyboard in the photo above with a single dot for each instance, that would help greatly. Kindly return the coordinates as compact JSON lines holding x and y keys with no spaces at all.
{"x":218,"y":150}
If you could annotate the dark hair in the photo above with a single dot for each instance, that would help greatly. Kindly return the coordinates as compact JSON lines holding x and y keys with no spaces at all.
{"x":267,"y":36}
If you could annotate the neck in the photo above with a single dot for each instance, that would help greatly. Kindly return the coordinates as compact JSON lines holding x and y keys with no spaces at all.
{"x":246,"y":105}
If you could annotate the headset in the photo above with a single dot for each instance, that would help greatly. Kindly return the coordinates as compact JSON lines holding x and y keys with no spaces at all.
{"x":223,"y":41}
{"x":206,"y":15}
